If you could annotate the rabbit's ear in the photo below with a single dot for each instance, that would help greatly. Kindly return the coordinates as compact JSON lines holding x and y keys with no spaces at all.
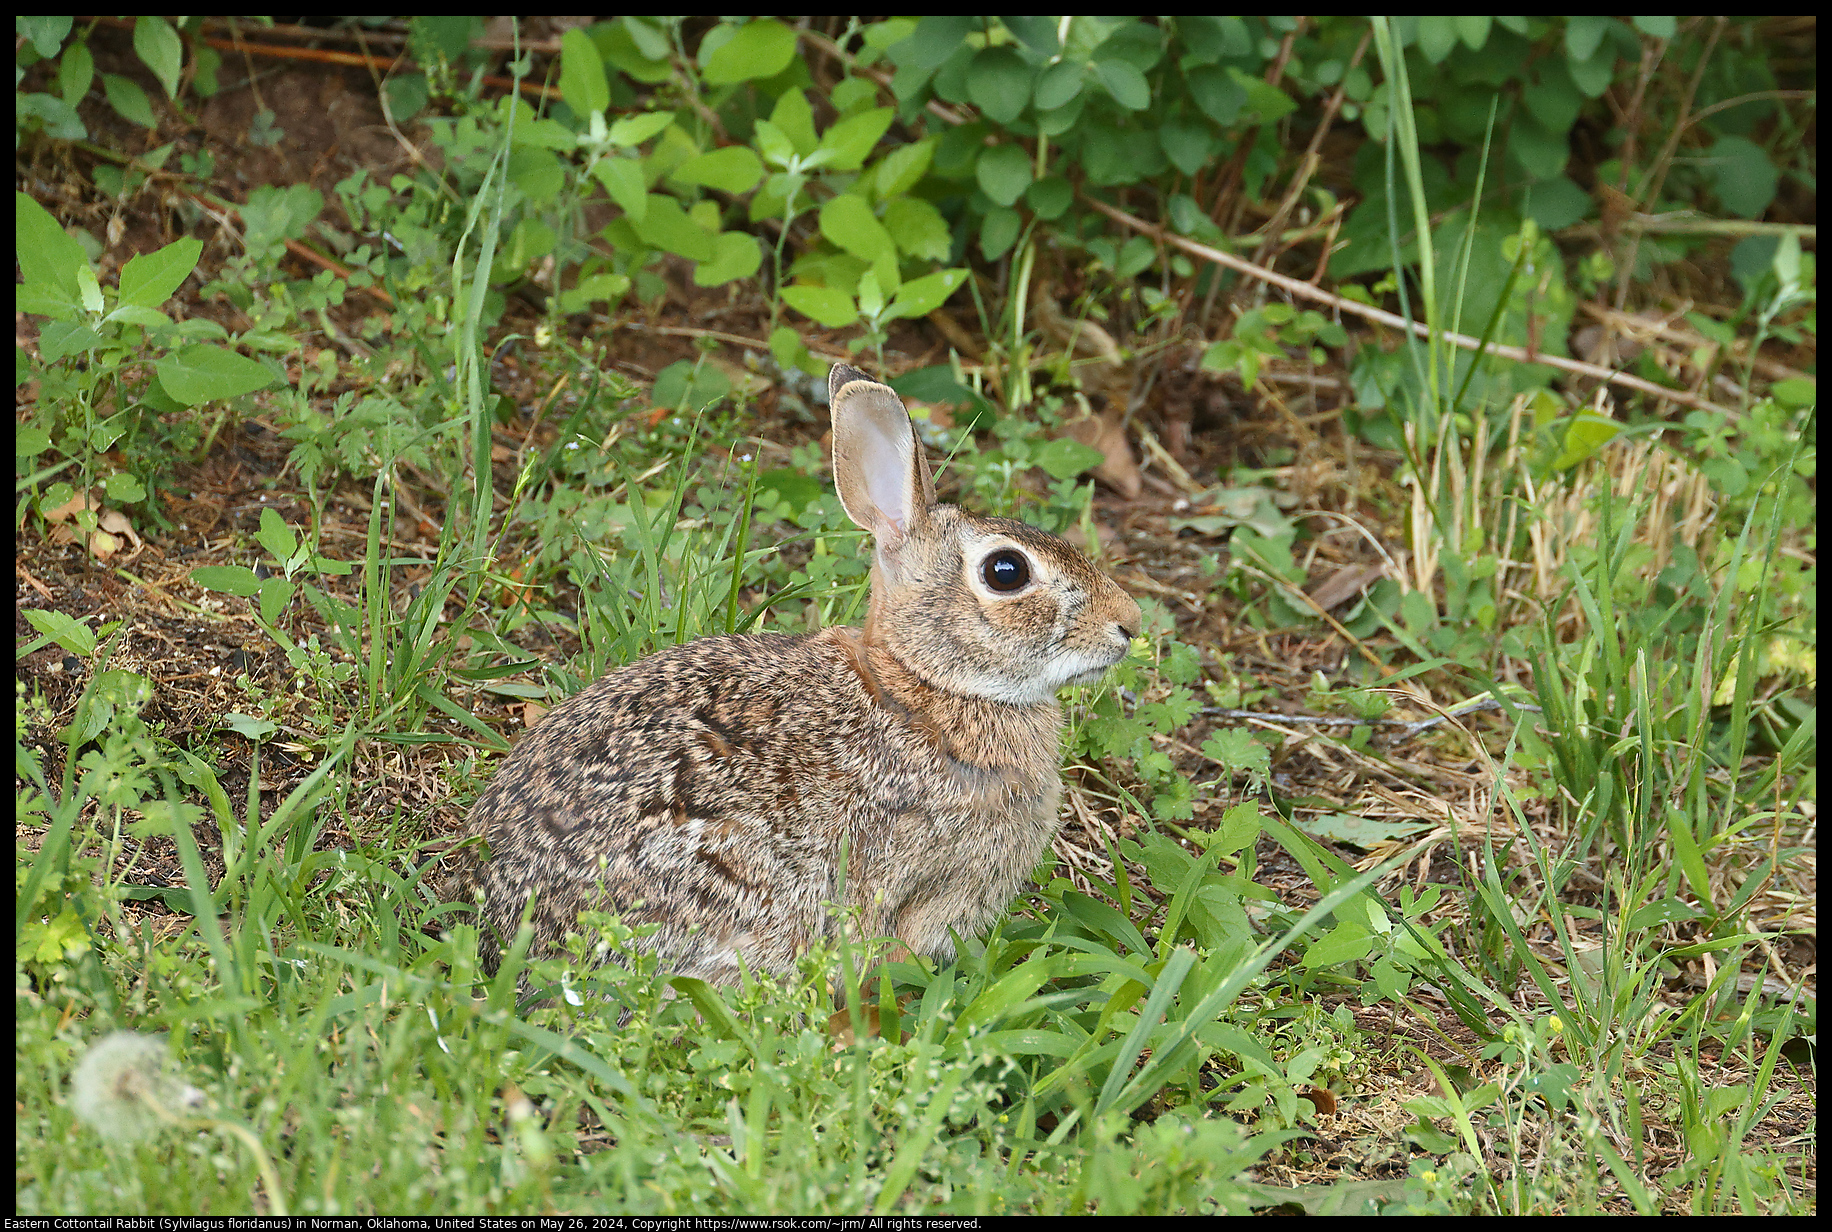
{"x":878,"y":466}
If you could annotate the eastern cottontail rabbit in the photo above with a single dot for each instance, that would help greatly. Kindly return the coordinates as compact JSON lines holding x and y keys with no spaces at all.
{"x":709,"y":786}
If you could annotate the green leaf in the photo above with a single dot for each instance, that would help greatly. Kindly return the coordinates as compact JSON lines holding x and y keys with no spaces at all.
{"x":1003,"y":173}
{"x":204,"y":373}
{"x":582,"y":81}
{"x":129,"y":100}
{"x":921,"y":296}
{"x":1187,"y":144}
{"x":918,"y":228}
{"x":1059,"y":84}
{"x":852,"y":140}
{"x":1219,"y":95}
{"x":1657,"y":27}
{"x":831,"y":308}
{"x":998,"y":232}
{"x":67,"y":631}
{"x":1127,"y":84}
{"x":46,"y":34}
{"x":665,"y":225}
{"x":598,"y":287}
{"x":773,"y":144}
{"x":1063,"y":458}
{"x":903,"y":168}
{"x":248,"y":726}
{"x":1437,"y":35}
{"x":276,"y":536}
{"x":148,"y":280}
{"x":1585,"y":435}
{"x":849,"y":223}
{"x":1272,"y":103}
{"x":999,"y":84}
{"x":46,"y":253}
{"x":635,"y":48}
{"x":1584,"y":33}
{"x":75,"y":72}
{"x":632,"y":131}
{"x":228,"y":579}
{"x":736,"y":255}
{"x":30,"y":442}
{"x":124,"y":489}
{"x":1050,"y":197}
{"x":793,"y":115}
{"x":734,"y":169}
{"x":622,"y":179}
{"x":538,"y":172}
{"x":761,"y":48}
{"x":1746,"y":178}
{"x":158,"y":47}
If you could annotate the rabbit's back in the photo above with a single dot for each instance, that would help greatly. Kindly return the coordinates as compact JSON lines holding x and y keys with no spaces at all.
{"x":714,"y":782}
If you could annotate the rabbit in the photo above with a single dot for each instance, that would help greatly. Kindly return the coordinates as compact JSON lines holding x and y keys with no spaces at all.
{"x":710,"y":786}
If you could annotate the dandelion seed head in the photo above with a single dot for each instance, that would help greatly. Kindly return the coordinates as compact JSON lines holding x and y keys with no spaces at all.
{"x":124,"y":1082}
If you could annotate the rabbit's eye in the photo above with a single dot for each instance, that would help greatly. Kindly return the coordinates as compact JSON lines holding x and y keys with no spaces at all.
{"x":1006,"y":571}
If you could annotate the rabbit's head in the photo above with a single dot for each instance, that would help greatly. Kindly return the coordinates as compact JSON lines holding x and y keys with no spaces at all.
{"x":978,"y":606}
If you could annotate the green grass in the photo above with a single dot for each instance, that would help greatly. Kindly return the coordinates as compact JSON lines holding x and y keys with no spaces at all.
{"x":1139,"y":1035}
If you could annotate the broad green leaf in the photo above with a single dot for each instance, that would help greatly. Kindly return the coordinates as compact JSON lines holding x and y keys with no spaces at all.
{"x":1187,"y":144}
{"x":75,"y":72}
{"x":30,"y":442}
{"x":851,"y":140}
{"x":1272,"y":103}
{"x":1584,"y":33}
{"x":607,"y":287}
{"x":633,"y":130}
{"x":999,"y":84}
{"x":228,"y":579}
{"x":123,"y":489}
{"x":1437,"y":35}
{"x":582,"y":81}
{"x":637,"y":48}
{"x":737,"y":255}
{"x":46,"y":253}
{"x":1003,"y":173}
{"x":537,"y":172}
{"x":1059,"y":83}
{"x":1063,"y":458}
{"x":903,"y":168}
{"x":276,"y":536}
{"x":1746,"y":177}
{"x":761,"y":48}
{"x":1050,"y":197}
{"x":204,"y":373}
{"x":831,"y":308}
{"x":1126,"y":84}
{"x":998,"y":232}
{"x":1585,"y":435}
{"x":918,"y":228}
{"x":622,"y":179}
{"x":795,"y":118}
{"x":46,"y":34}
{"x":773,"y":143}
{"x":158,"y":47}
{"x":149,"y":279}
{"x":67,"y":631}
{"x":921,"y":296}
{"x":129,"y":100}
{"x":849,"y":223}
{"x":665,"y":225}
{"x":734,"y":169}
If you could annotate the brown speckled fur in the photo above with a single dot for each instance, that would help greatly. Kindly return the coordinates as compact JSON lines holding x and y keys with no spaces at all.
{"x":716,"y":782}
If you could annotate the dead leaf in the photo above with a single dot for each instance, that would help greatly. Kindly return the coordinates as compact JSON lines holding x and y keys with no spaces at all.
{"x":1345,"y":584}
